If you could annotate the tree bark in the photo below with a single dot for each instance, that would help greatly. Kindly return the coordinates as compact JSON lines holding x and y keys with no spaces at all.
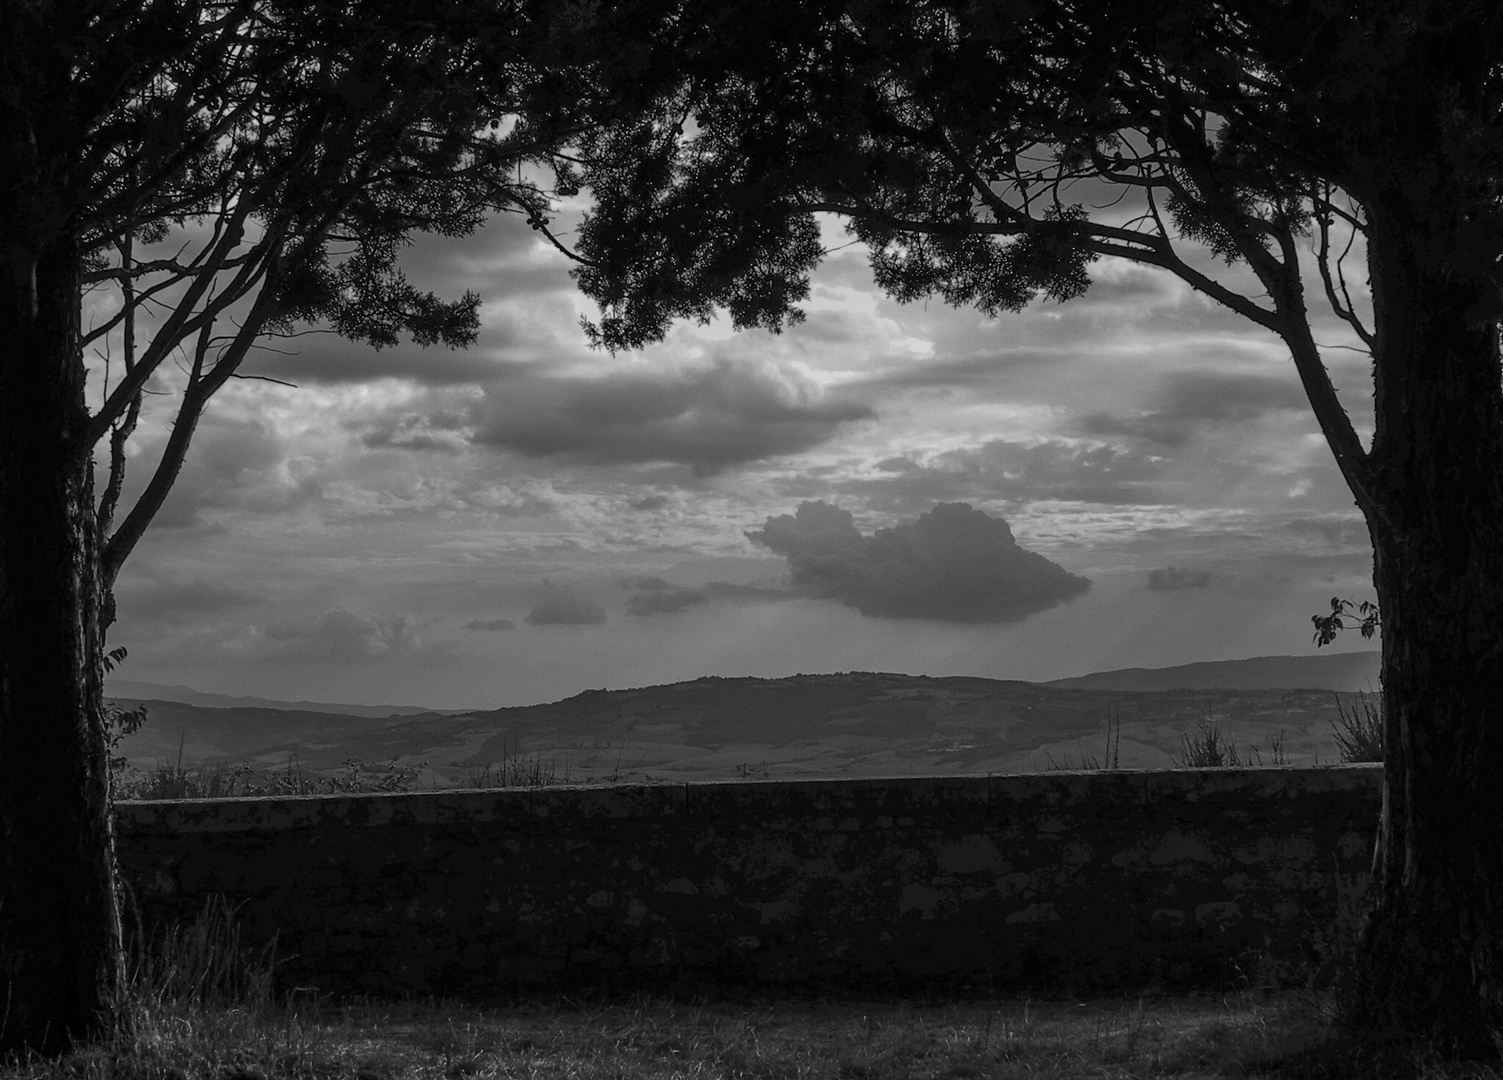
{"x":1432,"y":963}
{"x":60,"y":942}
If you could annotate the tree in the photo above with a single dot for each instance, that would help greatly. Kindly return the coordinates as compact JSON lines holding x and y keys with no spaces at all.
{"x":228,"y":169}
{"x":988,"y":152}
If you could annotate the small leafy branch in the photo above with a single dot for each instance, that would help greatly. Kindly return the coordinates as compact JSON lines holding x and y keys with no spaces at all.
{"x":119,"y":722}
{"x":1328,"y":626}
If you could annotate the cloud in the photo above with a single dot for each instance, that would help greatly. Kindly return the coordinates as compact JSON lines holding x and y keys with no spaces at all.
{"x":666,"y":602}
{"x":564,"y":607}
{"x":491,"y":625}
{"x":178,"y":599}
{"x":1190,"y":400}
{"x":709,"y":418}
{"x":656,"y":596}
{"x":954,"y":564}
{"x":1344,"y":530}
{"x":339,"y":635}
{"x":1174,"y":579}
{"x":1064,"y":469}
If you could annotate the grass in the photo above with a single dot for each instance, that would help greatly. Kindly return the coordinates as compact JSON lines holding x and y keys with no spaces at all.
{"x":1359,"y":733}
{"x":221,"y":780}
{"x":199,"y":1006}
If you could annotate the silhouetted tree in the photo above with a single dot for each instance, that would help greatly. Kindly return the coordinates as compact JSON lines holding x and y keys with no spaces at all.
{"x":988,"y":152}
{"x":229,"y":168}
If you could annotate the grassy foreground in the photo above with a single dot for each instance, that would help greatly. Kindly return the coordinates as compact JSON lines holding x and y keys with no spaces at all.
{"x":200,"y":1006}
{"x":1249,"y":1034}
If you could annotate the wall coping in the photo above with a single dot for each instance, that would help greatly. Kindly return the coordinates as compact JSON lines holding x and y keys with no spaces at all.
{"x":1054,"y":790}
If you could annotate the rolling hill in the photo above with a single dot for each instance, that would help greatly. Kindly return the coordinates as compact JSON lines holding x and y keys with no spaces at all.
{"x":851,"y":724}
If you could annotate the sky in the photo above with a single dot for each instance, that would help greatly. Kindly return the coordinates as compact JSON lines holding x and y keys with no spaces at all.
{"x":1129,"y":479}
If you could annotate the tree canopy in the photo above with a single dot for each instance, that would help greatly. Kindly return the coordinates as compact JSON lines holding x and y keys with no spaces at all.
{"x":211,"y":173}
{"x":987,"y":153}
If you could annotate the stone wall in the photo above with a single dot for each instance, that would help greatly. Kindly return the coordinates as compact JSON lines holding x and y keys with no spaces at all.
{"x":1086,"y":880}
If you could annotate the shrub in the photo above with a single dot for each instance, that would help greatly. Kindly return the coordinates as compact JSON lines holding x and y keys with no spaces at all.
{"x":1359,"y":733}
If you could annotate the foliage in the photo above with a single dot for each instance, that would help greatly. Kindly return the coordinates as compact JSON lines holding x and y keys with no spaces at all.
{"x":119,"y":722}
{"x":1328,"y":626}
{"x":255,"y":168}
{"x":986,"y":154}
{"x":1209,"y":747}
{"x":514,"y":771}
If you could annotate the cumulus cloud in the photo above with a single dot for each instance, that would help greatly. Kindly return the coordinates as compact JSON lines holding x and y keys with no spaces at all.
{"x":1175,"y":579}
{"x":709,"y":418}
{"x":953,"y":563}
{"x":495,"y":626}
{"x":563,"y":606}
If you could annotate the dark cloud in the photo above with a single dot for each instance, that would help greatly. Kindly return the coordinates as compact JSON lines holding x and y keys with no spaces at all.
{"x":665,"y":601}
{"x":656,"y":596}
{"x":234,"y":464}
{"x":980,"y":370}
{"x":492,"y":625}
{"x":175,"y":599}
{"x":336,"y":360}
{"x":1050,"y":470}
{"x":954,"y":563}
{"x":709,"y":418}
{"x":1192,"y":400}
{"x":565,"y":607}
{"x":1343,"y":531}
{"x":1174,"y":579}
{"x":648,"y":503}
{"x":732,"y":591}
{"x":443,"y":430}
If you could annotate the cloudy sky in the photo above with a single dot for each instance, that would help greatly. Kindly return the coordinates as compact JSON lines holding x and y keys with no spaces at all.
{"x":1133,"y":478}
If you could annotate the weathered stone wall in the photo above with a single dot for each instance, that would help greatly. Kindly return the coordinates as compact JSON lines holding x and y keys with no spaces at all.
{"x":1083,"y":880}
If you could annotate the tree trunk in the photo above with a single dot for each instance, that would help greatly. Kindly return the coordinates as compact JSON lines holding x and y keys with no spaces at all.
{"x":1433,"y":949}
{"x":60,"y":950}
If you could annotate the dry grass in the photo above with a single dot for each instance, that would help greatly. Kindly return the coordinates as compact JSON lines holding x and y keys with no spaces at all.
{"x":195,"y":1012}
{"x":646,"y":1037}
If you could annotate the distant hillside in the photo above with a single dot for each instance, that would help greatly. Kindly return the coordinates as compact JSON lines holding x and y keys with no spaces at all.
{"x":1350,"y":671}
{"x":150,"y":691}
{"x":805,"y":726}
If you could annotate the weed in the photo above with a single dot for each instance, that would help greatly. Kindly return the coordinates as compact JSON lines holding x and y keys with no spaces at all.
{"x":1359,"y":734}
{"x":514,"y":770}
{"x":220,"y":780}
{"x":1209,"y":747}
{"x":1113,"y":753}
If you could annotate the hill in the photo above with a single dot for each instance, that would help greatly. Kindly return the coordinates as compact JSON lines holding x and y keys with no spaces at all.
{"x":149,"y":691}
{"x":804,"y":726}
{"x":1350,"y":671}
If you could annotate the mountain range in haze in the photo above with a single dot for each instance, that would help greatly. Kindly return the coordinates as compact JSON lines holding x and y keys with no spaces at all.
{"x":804,"y":726}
